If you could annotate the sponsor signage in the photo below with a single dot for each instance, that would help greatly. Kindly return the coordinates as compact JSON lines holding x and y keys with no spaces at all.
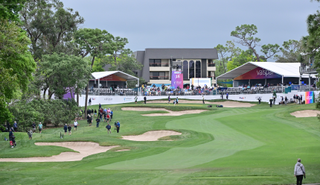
{"x":201,"y":82}
{"x":177,"y":79}
{"x":258,"y":73}
{"x":309,"y":97}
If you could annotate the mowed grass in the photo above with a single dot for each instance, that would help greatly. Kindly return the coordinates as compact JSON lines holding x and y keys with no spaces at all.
{"x":257,"y":145}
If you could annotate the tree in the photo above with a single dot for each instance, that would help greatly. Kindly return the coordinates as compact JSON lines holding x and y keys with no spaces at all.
{"x":291,"y":52}
{"x":64,"y":73}
{"x":269,"y":50}
{"x":50,"y":27}
{"x":9,"y":9}
{"x":244,"y":57}
{"x":246,"y":35}
{"x":118,"y":46}
{"x":16,"y":64}
{"x":225,"y":53}
{"x":56,"y":112}
{"x":95,"y":42}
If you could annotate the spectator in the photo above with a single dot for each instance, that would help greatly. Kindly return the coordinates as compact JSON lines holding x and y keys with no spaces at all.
{"x":34,"y":126}
{"x":98,"y":121}
{"x":75,"y":124}
{"x":69,"y":129}
{"x":118,"y":126}
{"x":15,"y":126}
{"x":30,"y":134}
{"x":65,"y":129}
{"x":109,"y":128}
{"x":40,"y":126}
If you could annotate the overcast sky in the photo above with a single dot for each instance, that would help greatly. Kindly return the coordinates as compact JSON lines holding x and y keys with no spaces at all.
{"x":194,"y":23}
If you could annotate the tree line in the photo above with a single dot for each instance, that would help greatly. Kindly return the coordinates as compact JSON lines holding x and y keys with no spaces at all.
{"x":43,"y":53}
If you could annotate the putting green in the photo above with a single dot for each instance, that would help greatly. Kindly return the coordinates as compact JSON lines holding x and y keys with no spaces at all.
{"x":227,"y":141}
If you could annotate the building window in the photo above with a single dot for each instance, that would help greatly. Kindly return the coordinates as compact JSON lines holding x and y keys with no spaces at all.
{"x":164,"y":63}
{"x":155,"y":62}
{"x":211,"y":63}
{"x":185,"y":70}
{"x":161,"y":75}
{"x":211,"y":74}
{"x":198,"y":69}
{"x":191,"y":69}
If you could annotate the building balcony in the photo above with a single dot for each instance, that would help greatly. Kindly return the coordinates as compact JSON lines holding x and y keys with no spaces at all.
{"x":152,"y":68}
{"x":211,"y":68}
{"x":307,"y":70}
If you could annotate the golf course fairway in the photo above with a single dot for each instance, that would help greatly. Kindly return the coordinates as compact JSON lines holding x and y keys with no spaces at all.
{"x":248,"y":145}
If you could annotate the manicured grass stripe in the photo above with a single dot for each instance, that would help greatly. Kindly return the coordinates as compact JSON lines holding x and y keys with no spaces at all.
{"x":185,"y":157}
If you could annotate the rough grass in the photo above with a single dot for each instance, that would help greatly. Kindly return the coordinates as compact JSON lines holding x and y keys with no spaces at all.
{"x":257,"y":145}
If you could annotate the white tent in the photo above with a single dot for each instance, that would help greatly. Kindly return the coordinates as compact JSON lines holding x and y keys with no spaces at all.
{"x":99,"y":75}
{"x":283,"y":69}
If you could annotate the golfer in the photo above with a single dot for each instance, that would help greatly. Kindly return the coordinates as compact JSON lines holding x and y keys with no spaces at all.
{"x":299,"y":172}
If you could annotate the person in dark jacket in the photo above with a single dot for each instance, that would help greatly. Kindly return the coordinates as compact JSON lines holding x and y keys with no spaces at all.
{"x":118,"y":126}
{"x":65,"y":129}
{"x":98,"y":121}
{"x":109,"y":128}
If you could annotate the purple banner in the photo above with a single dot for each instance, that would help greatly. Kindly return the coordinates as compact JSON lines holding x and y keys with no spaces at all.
{"x":69,"y":94}
{"x":177,"y":79}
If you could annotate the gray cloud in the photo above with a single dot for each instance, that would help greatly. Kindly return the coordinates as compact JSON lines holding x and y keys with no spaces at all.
{"x":194,"y":24}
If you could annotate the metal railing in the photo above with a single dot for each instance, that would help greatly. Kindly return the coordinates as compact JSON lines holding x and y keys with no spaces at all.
{"x":307,"y":70}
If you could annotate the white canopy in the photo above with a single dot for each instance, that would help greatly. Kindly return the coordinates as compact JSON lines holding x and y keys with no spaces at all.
{"x":283,"y":69}
{"x":99,"y":75}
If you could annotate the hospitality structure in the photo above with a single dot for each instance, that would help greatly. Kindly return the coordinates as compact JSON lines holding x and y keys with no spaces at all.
{"x":158,"y":64}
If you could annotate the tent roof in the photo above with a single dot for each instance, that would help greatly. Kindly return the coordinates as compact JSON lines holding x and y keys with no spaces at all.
{"x":99,"y":75}
{"x":283,"y":69}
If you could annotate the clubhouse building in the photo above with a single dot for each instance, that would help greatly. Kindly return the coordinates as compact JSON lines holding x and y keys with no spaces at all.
{"x":158,"y":64}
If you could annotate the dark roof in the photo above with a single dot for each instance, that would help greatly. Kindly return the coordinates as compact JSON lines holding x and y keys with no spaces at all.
{"x":180,"y":53}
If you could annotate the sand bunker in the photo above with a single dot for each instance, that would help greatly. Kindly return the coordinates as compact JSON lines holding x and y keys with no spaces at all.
{"x":170,"y":113}
{"x":305,"y":113}
{"x":84,"y":148}
{"x":224,"y":103}
{"x":151,"y":135}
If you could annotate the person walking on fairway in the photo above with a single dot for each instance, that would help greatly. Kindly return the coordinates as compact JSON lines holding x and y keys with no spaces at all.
{"x":299,"y":172}
{"x":270,"y":102}
{"x":65,"y":129}
{"x":30,"y":134}
{"x":169,"y":99}
{"x":98,"y":121}
{"x":109,"y":128}
{"x":118,"y":126}
{"x":145,"y":100}
{"x":136,"y":99}
{"x":227,"y":95}
{"x":69,"y":129}
{"x":203,"y":99}
{"x":89,"y":101}
{"x":40,"y":127}
{"x":75,"y":124}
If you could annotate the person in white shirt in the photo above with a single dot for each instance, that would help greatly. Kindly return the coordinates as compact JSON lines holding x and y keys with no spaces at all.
{"x":75,"y":123}
{"x":299,"y":172}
